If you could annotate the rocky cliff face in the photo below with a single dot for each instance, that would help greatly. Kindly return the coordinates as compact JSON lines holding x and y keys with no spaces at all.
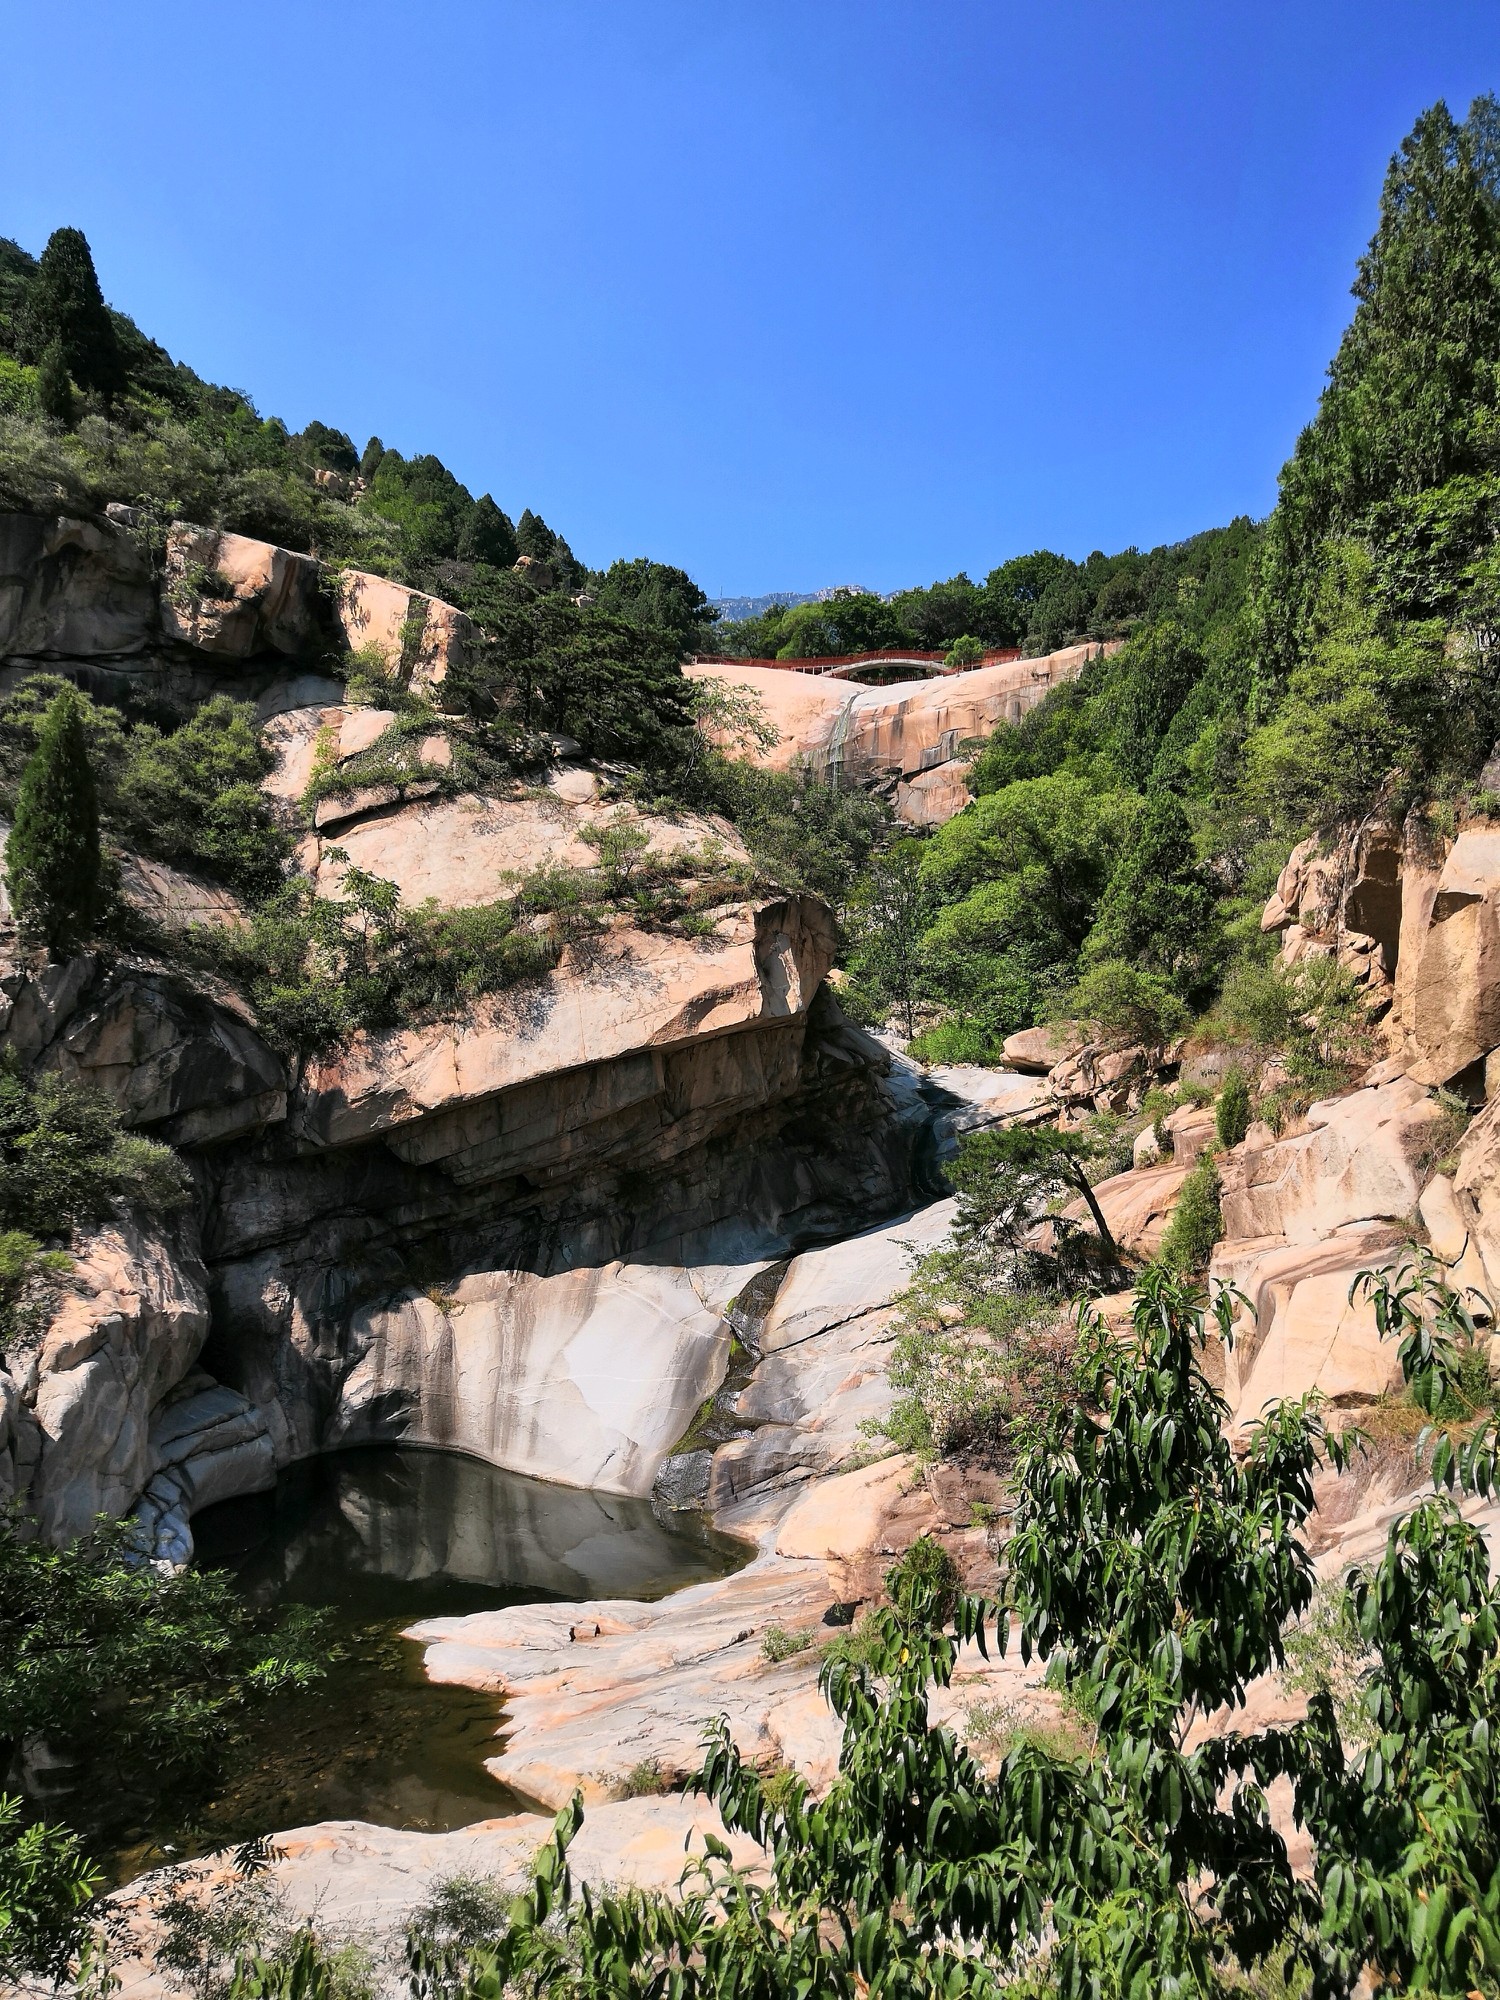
{"x":908,"y":740}
{"x":514,"y":1231}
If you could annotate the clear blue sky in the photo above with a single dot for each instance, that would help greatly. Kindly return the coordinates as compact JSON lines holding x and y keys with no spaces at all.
{"x":791,"y":292}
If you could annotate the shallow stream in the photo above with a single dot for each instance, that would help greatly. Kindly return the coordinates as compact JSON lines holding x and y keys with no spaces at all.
{"x":381,"y":1538}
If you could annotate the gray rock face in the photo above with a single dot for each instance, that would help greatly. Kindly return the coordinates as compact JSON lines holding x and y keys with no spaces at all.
{"x":207,"y":1443}
{"x":174,"y":1061}
{"x":126,"y":1331}
{"x":72,"y":590}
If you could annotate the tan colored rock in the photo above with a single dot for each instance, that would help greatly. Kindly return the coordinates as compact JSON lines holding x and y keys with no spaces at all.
{"x":298,"y":738}
{"x":176,"y":900}
{"x":468,"y":850}
{"x":1146,"y":1152}
{"x":126,"y":1330}
{"x":627,"y":993}
{"x":72,"y":589}
{"x":903,"y":730}
{"x":1137,"y":1206}
{"x":234,"y":597}
{"x":1454,"y":1015}
{"x":1452,"y":1240}
{"x":1423,"y":859}
{"x":1038,"y":1050}
{"x":933,"y":797}
{"x":1358,"y":1160}
{"x":802,"y":708}
{"x":840,"y":1518}
{"x":1476,"y":1193}
{"x":418,"y":638}
{"x":1301,"y":1330}
{"x":1191,"y":1132}
{"x":349,"y":1879}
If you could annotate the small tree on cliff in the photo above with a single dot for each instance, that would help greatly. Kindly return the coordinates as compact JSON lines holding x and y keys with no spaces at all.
{"x":1006,"y":1179}
{"x":52,"y":859}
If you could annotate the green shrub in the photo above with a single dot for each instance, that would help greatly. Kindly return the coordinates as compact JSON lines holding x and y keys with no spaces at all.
{"x":1127,"y":1004}
{"x":1232,"y":1110}
{"x":778,"y":1644}
{"x":193,"y":797}
{"x":1196,"y":1223}
{"x":976,"y":1386}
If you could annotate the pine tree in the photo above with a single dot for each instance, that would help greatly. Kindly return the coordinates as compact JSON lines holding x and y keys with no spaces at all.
{"x":370,"y":457}
{"x":535,"y":538}
{"x":66,"y":306}
{"x":54,"y":387}
{"x":52,"y":859}
{"x":487,"y":536}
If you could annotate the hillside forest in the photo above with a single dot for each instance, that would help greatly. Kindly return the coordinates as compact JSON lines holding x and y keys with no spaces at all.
{"x":1275,"y":680}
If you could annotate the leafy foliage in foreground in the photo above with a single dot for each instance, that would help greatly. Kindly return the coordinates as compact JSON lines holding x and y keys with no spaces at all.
{"x":134,"y":1681}
{"x":1157,"y":1573}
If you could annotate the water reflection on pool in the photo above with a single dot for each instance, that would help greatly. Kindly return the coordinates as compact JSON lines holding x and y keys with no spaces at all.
{"x":380,"y":1538}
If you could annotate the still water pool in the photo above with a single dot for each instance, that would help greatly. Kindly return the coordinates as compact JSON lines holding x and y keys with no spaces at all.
{"x":381,"y":1538}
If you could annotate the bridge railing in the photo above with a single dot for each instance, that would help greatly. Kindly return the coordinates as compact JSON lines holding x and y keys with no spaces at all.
{"x":839,"y":665}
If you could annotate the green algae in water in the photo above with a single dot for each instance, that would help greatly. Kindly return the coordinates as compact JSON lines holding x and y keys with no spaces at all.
{"x":381,"y":1538}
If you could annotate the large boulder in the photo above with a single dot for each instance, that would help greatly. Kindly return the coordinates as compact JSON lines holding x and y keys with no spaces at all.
{"x":126,"y":1330}
{"x":1454,"y":1018}
{"x":234,"y":597}
{"x":416,"y":638}
{"x":1360,"y":1158}
{"x":587,"y":1377}
{"x":628,"y":994}
{"x":72,"y":590}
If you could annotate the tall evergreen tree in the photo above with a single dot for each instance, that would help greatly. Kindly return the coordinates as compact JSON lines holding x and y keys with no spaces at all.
{"x":535,"y":538}
{"x":66,"y":306}
{"x":52,"y":859}
{"x":488,"y":536}
{"x":1413,"y":393}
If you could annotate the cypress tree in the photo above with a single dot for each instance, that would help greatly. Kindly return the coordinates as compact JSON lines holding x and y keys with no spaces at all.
{"x":487,"y":536}
{"x":66,"y":306}
{"x":535,"y":538}
{"x":52,"y":859}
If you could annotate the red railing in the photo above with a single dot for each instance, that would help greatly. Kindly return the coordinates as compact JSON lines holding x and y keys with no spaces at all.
{"x":840,"y":664}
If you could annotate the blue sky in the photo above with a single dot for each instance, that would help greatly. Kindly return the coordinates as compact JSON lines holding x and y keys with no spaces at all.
{"x":791,"y":292}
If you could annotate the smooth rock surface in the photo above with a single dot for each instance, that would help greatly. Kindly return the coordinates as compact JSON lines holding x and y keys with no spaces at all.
{"x":586,"y":1378}
{"x":126,"y":1330}
{"x":72,"y":589}
{"x":619,"y":995}
{"x":1357,"y":1161}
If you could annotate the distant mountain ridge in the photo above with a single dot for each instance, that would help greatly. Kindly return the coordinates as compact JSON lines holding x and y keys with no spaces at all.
{"x":732,"y":609}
